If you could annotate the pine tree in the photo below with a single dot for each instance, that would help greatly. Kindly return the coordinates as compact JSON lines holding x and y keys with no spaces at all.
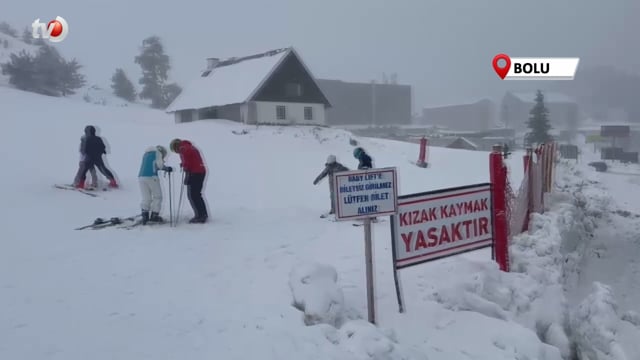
{"x":155,"y":67}
{"x":21,"y":69}
{"x":47,"y":73}
{"x":27,"y":36}
{"x":538,"y":122}
{"x":7,"y":29}
{"x":122,"y":86}
{"x":70,"y":78}
{"x":49,"y":63}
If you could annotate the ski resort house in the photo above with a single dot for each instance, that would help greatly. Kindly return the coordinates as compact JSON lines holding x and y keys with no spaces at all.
{"x":478,"y":115}
{"x":274,"y":87}
{"x":367,"y":104}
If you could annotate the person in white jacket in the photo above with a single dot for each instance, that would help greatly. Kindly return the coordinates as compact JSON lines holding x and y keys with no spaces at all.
{"x":152,"y":162}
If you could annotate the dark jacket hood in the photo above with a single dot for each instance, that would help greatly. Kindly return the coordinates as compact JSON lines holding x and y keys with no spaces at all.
{"x":90,"y":130}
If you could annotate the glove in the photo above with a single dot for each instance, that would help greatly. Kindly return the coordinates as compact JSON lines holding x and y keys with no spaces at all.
{"x":315,"y":182}
{"x":168,"y":169}
{"x":186,"y":178}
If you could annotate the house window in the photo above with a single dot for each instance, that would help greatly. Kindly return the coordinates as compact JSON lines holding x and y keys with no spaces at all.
{"x":308,"y":113}
{"x":281,"y":112}
{"x":293,"y":90}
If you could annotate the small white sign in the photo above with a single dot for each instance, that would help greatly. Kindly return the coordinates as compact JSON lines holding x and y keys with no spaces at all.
{"x":366,"y":193}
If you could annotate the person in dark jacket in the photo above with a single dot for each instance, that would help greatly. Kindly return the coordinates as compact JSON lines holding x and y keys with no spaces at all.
{"x":364,"y":160}
{"x":82,"y":167}
{"x":195,"y":174}
{"x":330,"y":168}
{"x":94,"y":148}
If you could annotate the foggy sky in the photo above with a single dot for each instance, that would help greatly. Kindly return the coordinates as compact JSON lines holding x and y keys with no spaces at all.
{"x":442,"y":48}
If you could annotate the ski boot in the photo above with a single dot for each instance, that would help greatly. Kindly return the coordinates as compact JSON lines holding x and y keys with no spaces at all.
{"x":155,"y":217}
{"x":145,"y":217}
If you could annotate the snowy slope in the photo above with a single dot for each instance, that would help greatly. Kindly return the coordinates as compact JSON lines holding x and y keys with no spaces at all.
{"x":225,"y":290}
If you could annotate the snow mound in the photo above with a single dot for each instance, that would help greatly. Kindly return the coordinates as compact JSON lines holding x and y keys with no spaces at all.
{"x":543,"y":261}
{"x":367,"y":341}
{"x":316,"y":294}
{"x":595,"y":324}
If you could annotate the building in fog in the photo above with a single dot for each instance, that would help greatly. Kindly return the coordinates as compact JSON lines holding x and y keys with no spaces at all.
{"x":274,"y":87}
{"x":515,"y":108}
{"x":367,"y":104}
{"x":473,"y":116}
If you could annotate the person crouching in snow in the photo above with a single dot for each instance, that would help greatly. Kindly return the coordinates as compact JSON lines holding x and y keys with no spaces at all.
{"x":330,"y":168}
{"x":364,"y":160}
{"x":152,"y":162}
{"x":195,"y":173}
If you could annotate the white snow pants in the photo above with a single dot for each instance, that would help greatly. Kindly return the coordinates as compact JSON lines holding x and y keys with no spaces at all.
{"x":151,"y":193}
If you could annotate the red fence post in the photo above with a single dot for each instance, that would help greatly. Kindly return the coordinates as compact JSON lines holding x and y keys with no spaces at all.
{"x":423,"y":150}
{"x":526,"y":160}
{"x":498,"y":178}
{"x":426,"y":150}
{"x":541,"y":176}
{"x":422,"y":158}
{"x":528,"y":176}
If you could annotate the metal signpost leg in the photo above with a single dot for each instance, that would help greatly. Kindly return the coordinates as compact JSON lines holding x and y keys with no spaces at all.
{"x":369,"y":262}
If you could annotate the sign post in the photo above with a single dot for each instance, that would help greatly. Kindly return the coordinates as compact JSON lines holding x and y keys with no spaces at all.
{"x":365,"y":195}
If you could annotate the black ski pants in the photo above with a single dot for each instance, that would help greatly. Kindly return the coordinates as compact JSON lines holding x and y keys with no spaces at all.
{"x":99,"y":164}
{"x":194,"y":183}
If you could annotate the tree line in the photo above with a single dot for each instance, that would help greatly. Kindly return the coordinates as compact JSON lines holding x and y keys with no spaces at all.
{"x":48,"y":73}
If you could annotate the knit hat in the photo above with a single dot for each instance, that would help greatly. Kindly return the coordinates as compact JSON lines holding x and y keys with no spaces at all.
{"x":175,"y":145}
{"x":357,"y":151}
{"x":162,"y":151}
{"x":331,"y":159}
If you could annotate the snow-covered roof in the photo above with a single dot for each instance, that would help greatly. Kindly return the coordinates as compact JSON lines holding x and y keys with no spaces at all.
{"x":469,"y":142}
{"x":458,"y":103}
{"x":228,"y":84}
{"x":549,"y":97}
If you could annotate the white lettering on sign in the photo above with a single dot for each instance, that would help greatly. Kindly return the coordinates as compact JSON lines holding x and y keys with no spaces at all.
{"x":442,"y":223}
{"x":365,"y":193}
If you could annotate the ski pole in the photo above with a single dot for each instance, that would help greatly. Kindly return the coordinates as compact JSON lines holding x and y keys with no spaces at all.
{"x":170,"y":202}
{"x":180,"y":199}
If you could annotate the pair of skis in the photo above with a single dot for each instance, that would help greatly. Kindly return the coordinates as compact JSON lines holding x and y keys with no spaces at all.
{"x":82,"y":191}
{"x":117,"y":222}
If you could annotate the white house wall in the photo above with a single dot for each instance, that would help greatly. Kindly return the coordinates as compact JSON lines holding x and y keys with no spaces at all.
{"x":266,"y":113}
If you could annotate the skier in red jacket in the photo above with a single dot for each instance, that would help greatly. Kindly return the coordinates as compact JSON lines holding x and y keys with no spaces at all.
{"x":195,"y":174}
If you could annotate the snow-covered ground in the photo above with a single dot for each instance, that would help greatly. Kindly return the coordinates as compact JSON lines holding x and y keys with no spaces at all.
{"x":266,"y":278}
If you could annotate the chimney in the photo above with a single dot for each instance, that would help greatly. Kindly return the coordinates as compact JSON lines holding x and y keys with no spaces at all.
{"x":212,"y":63}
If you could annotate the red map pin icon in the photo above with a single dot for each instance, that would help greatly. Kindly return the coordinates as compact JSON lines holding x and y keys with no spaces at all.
{"x":502,"y":71}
